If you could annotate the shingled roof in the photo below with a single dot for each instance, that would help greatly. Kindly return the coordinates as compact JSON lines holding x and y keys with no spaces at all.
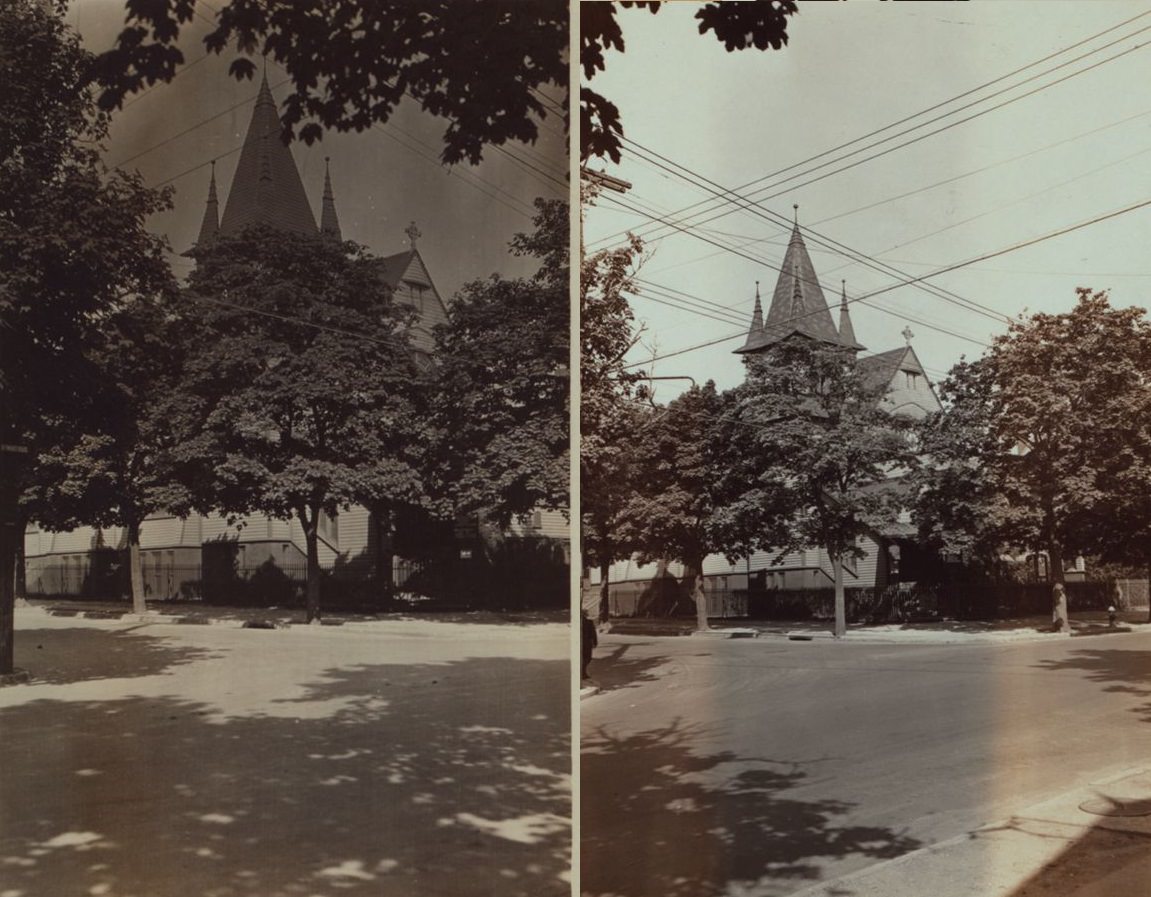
{"x":266,"y":188}
{"x":797,"y":305}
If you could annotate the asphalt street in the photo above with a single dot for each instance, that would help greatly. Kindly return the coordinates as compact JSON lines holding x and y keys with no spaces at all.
{"x":760,"y":767}
{"x":212,"y":761}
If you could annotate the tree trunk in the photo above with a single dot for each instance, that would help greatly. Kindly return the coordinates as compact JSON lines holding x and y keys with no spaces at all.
{"x":8,"y":532}
{"x":840,"y":595}
{"x":604,"y":612}
{"x":312,"y":540}
{"x":21,"y":580}
{"x":384,"y":557}
{"x":1060,"y":621}
{"x":694,"y":568}
{"x":135,"y":570}
{"x":1149,"y":588}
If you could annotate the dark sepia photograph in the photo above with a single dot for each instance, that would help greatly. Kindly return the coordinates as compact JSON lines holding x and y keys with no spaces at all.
{"x":865,"y":449}
{"x":285,"y":553}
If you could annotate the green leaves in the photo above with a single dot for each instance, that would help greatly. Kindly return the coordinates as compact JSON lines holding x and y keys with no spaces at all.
{"x":500,"y":393}
{"x":1044,"y":445}
{"x":480,"y":66}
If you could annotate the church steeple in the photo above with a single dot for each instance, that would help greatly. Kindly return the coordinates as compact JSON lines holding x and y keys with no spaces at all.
{"x":797,"y":305}
{"x":266,"y":188}
{"x":846,"y":331}
{"x":210,"y":226}
{"x":755,"y":333}
{"x":329,"y":223}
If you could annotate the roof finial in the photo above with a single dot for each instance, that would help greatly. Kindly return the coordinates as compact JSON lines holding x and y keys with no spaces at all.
{"x":329,"y":221}
{"x":795,"y":213}
{"x":413,"y":233}
{"x":907,"y":334}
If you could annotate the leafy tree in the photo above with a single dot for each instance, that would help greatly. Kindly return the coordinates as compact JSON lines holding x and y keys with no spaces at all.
{"x":609,"y":416}
{"x":500,"y":401}
{"x":1038,"y":448}
{"x":300,"y":394}
{"x":677,"y":487}
{"x":739,"y":26}
{"x":480,"y":65}
{"x":72,"y":245}
{"x":115,"y":476}
{"x":828,"y":455}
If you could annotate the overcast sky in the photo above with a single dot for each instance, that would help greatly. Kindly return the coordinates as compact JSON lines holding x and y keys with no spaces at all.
{"x":1071,"y":152}
{"x":172,"y":132}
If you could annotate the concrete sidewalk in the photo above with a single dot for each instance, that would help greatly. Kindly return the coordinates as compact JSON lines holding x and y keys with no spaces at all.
{"x":1090,"y":842}
{"x":189,"y":613}
{"x":950,"y":632}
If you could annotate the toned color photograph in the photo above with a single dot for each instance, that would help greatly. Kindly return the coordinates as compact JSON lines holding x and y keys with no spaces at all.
{"x":865,"y":463}
{"x":285,"y":437}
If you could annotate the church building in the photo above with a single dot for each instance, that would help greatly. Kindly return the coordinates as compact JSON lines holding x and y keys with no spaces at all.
{"x":181,"y":555}
{"x":798,"y":308}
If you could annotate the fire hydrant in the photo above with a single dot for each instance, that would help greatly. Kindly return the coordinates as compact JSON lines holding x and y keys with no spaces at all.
{"x":1111,"y":616}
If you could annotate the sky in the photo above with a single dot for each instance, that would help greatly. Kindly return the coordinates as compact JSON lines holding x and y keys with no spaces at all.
{"x":1071,"y":152}
{"x":382,"y":179}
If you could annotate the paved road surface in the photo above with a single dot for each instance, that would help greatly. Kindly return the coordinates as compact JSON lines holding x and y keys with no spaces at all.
{"x":312,"y":762}
{"x":760,"y":767}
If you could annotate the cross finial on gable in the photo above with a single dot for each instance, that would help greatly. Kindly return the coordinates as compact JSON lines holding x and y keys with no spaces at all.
{"x":907,"y":334}
{"x":413,"y":233}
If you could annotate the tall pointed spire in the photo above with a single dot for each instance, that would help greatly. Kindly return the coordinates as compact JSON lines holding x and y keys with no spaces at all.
{"x":266,"y":188}
{"x":797,"y":305}
{"x":329,"y":223}
{"x":210,"y":226}
{"x":755,"y":333}
{"x":846,"y":331}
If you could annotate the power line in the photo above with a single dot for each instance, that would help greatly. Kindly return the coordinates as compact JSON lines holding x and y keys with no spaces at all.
{"x":393,"y":342}
{"x":989,"y":255}
{"x":937,"y":118}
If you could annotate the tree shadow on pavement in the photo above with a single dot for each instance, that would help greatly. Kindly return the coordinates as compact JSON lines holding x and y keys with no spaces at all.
{"x":611,"y":668}
{"x":63,"y":656}
{"x":1123,"y":671}
{"x":386,"y":780}
{"x":660,"y":819}
{"x":1100,"y":863}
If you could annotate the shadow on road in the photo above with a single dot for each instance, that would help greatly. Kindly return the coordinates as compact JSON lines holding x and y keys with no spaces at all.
{"x":63,"y":656}
{"x":1123,"y":672}
{"x":613,"y":668}
{"x":389,"y":780}
{"x":1101,"y":863}
{"x":659,"y":818}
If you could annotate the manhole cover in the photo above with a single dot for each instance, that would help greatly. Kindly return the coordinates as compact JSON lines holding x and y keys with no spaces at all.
{"x":1106,"y":806}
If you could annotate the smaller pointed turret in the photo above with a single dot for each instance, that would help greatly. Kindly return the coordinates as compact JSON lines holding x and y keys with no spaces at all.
{"x":329,"y":222}
{"x":755,"y":333}
{"x":846,"y":331}
{"x":210,"y":226}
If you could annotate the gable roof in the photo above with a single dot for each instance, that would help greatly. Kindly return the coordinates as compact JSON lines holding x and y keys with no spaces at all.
{"x":266,"y":188}
{"x":797,"y":305}
{"x":882,"y":368}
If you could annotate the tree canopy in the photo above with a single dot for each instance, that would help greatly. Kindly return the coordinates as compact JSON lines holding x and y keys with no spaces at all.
{"x":500,"y":398}
{"x":823,"y":450}
{"x":73,"y":246}
{"x":300,"y":394}
{"x":609,"y":416}
{"x":1043,"y":446}
{"x":486,"y":67}
{"x":761,"y":24}
{"x":679,"y":474}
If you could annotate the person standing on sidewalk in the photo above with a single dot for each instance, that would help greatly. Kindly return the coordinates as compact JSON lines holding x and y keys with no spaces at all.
{"x":588,"y":641}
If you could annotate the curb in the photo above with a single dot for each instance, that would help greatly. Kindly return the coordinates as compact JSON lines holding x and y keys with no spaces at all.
{"x":840,"y":884}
